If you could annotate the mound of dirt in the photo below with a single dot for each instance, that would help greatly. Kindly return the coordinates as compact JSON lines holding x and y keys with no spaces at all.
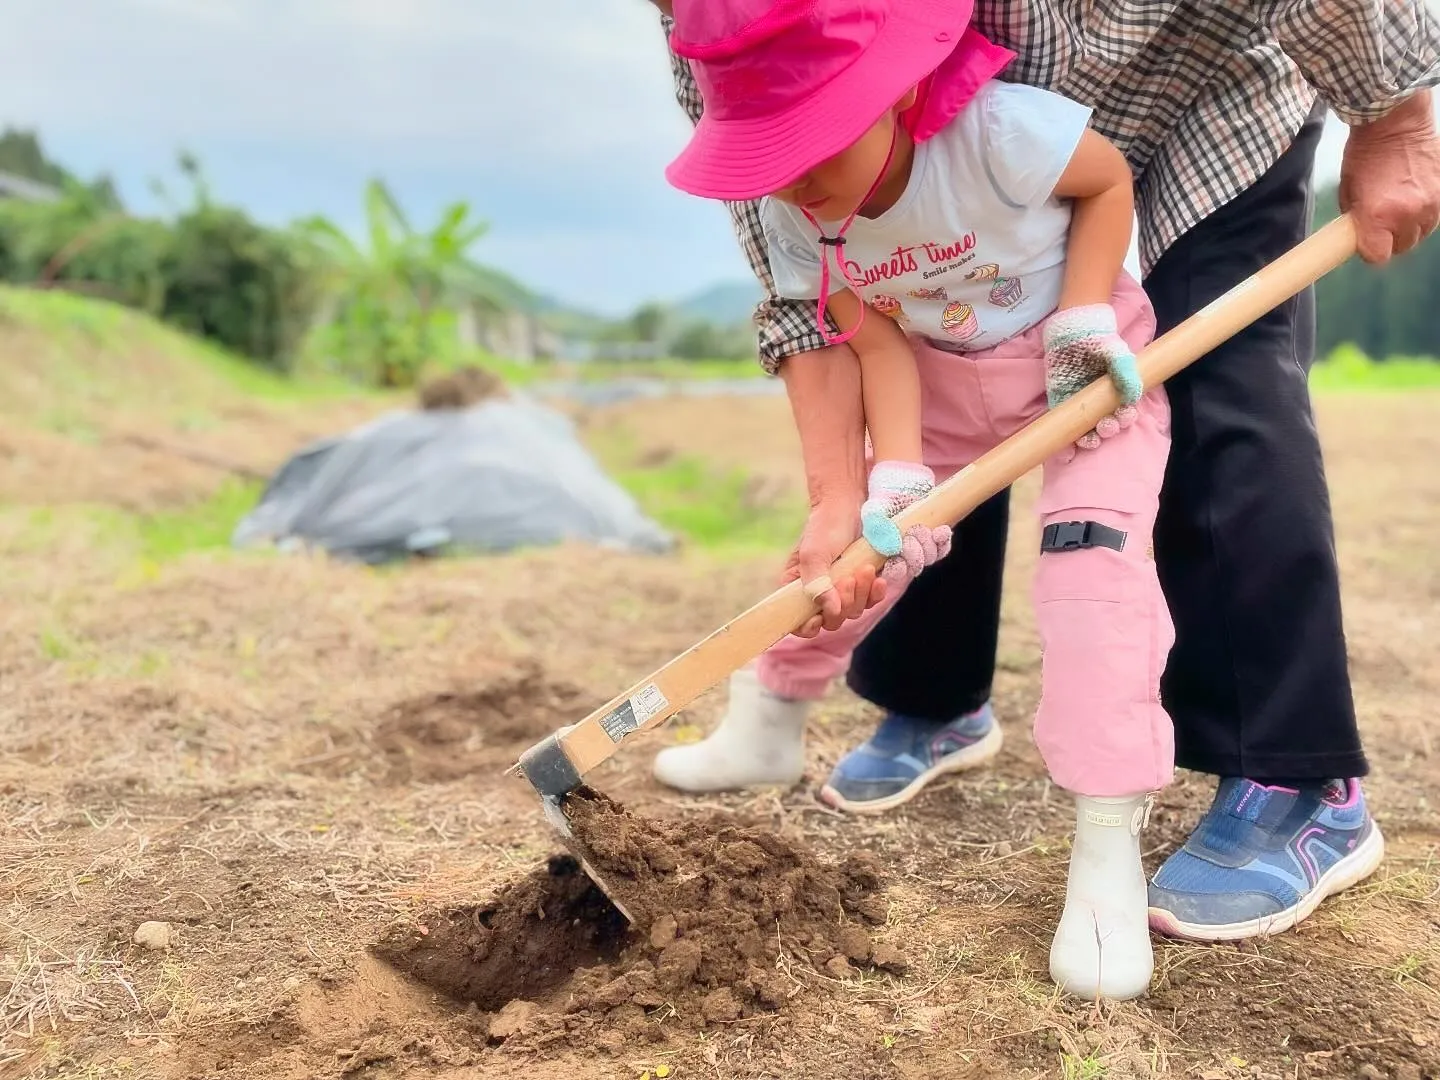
{"x":529,"y":940}
{"x":730,"y":922}
{"x":448,"y":736}
{"x":462,"y":388}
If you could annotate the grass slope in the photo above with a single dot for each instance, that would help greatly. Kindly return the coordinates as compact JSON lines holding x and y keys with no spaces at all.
{"x":97,"y":353}
{"x":82,"y":375}
{"x":84,"y":379}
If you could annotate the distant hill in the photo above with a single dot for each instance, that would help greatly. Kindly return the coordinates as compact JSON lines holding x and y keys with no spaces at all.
{"x":564,"y":319}
{"x":554,"y":314}
{"x":521,"y":297}
{"x":726,"y":304}
{"x":507,"y":290}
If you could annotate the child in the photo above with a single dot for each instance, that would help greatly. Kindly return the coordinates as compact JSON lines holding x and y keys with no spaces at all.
{"x":968,"y":238}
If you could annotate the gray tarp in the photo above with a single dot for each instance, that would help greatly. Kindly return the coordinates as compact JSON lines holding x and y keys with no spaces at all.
{"x":503,"y":474}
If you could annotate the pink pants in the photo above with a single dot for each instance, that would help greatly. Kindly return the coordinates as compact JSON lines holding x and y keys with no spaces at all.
{"x":1105,"y":630}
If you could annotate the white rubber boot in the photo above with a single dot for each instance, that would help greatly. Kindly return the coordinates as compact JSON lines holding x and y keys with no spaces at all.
{"x":759,"y":742}
{"x":1102,"y":945}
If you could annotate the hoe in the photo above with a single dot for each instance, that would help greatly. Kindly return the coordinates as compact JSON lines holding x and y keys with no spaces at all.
{"x":557,"y":765}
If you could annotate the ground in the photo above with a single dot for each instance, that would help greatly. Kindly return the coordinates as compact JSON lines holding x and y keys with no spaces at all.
{"x":300,"y":767}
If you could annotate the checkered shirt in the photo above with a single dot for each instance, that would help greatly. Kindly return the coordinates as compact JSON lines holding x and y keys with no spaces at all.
{"x":1202,"y":96}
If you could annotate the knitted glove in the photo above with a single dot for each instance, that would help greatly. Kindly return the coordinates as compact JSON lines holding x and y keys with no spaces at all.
{"x":894,"y":485}
{"x":1082,"y":344}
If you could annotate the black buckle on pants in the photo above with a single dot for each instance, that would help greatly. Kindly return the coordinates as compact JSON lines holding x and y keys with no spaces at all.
{"x":1074,"y":535}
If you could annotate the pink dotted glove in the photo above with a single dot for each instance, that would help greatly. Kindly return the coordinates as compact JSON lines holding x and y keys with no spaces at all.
{"x":1081,"y":345}
{"x":894,"y":485}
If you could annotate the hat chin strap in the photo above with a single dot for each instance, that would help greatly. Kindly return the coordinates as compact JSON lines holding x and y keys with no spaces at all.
{"x":837,"y":242}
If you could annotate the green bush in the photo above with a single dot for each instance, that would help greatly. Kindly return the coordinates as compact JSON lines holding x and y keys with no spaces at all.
{"x":212,"y":271}
{"x":377,"y":313}
{"x":237,"y":283}
{"x":109,"y":256}
{"x":31,"y":234}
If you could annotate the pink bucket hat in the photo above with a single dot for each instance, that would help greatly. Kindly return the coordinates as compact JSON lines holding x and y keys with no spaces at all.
{"x":787,"y":84}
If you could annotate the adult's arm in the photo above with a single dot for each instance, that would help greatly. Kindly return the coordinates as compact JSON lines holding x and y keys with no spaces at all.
{"x":822,"y":383}
{"x":823,"y":386}
{"x":1374,"y":62}
{"x":1364,"y":56}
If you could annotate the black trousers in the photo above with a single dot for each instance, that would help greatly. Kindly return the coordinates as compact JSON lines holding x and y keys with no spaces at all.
{"x":1257,"y":683}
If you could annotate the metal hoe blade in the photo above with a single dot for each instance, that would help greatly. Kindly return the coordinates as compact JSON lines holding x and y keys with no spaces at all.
{"x":553,"y":778}
{"x":556,"y":816}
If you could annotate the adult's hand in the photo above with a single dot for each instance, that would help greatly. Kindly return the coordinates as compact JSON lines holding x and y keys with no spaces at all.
{"x":1390,"y":179}
{"x":833,"y":525}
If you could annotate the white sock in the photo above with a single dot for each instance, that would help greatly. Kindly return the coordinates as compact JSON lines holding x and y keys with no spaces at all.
{"x":1102,"y":945}
{"x":760,"y":741}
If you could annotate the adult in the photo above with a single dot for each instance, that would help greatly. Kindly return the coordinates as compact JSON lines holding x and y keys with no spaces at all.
{"x":1219,"y":109}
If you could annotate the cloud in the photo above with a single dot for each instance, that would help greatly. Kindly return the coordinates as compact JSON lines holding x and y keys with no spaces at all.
{"x":535,"y":84}
{"x":556,"y":119}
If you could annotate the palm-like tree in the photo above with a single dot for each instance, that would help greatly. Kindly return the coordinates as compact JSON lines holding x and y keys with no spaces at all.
{"x":387,"y":293}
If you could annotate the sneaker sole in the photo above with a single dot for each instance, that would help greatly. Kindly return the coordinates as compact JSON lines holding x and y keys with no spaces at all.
{"x":975,"y":754}
{"x":1351,"y":870}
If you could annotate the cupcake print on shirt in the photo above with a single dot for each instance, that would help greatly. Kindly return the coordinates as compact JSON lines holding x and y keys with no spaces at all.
{"x":959,"y":321}
{"x":1006,"y":292}
{"x":888,"y":305}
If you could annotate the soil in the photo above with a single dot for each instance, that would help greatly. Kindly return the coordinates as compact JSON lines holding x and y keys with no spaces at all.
{"x":461,"y":389}
{"x":454,"y":734}
{"x":722,"y":914}
{"x":300,"y":767}
{"x":526,"y":944}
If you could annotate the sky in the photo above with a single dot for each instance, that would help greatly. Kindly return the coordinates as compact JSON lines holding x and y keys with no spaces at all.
{"x":553,"y":119}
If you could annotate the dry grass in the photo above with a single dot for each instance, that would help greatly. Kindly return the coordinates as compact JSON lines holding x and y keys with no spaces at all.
{"x":259,"y":751}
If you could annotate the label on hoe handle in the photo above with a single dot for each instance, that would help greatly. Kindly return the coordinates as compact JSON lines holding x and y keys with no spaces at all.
{"x":629,"y":715}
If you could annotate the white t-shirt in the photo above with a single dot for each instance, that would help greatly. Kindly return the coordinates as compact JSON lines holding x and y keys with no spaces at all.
{"x":973,"y":252}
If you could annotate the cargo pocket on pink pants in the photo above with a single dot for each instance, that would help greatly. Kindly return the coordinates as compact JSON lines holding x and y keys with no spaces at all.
{"x":1105,"y":633}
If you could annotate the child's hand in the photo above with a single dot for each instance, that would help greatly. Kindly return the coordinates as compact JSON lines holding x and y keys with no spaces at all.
{"x":894,"y":485}
{"x":1082,"y":344}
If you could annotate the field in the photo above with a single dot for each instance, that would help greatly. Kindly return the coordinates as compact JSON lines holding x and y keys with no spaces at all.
{"x":299,"y":766}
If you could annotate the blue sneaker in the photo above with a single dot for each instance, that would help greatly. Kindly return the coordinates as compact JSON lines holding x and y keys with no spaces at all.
{"x":1262,"y":859}
{"x":904,"y":755}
